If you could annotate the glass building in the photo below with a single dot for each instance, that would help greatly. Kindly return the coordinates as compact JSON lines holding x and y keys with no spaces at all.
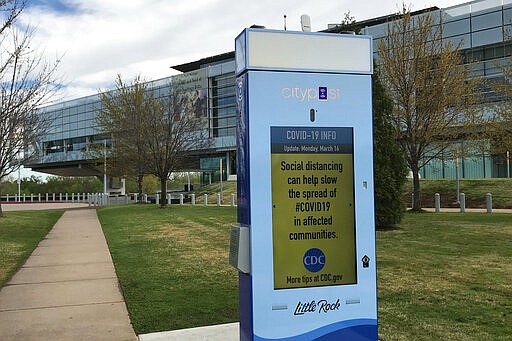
{"x":483,"y":28}
{"x":208,"y":87}
{"x":484,"y":31}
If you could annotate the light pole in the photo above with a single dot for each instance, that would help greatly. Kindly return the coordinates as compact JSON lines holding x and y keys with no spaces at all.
{"x":105,"y":166}
{"x":508,"y":164}
{"x":221,"y":179}
{"x":19,"y":183}
{"x":457,"y":178}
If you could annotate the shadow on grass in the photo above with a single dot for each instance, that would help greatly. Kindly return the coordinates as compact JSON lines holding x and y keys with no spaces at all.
{"x":387,"y":228}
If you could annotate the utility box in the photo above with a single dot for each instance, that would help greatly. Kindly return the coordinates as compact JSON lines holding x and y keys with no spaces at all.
{"x":305,"y":186}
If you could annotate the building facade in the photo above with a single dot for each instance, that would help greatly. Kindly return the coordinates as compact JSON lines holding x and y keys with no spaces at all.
{"x":482,"y":28}
{"x":207,"y":90}
{"x":484,"y":31}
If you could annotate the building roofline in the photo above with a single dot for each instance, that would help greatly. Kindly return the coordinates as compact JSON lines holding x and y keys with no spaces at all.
{"x":196,"y":65}
{"x":383,"y":19}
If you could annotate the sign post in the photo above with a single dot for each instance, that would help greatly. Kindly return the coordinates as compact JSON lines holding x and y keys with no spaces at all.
{"x":305,"y":242}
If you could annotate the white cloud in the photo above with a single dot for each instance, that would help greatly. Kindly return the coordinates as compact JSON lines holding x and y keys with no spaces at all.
{"x":102,"y":38}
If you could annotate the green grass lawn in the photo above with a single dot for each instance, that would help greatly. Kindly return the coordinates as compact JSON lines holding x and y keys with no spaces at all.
{"x":20,"y":233}
{"x":446,"y":277}
{"x":440,"y":276}
{"x":173,"y":264}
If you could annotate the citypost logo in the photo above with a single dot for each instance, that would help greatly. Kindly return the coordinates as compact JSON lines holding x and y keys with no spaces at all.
{"x":322,"y":93}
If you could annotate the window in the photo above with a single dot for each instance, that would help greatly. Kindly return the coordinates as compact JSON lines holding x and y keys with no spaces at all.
{"x":491,"y":36}
{"x":223,"y":105}
{"x":456,"y":28}
{"x":486,"y":21}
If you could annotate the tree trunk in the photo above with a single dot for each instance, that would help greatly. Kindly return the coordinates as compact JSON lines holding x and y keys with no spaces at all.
{"x":163,"y":192}
{"x":416,"y":203}
{"x":140,"y":179}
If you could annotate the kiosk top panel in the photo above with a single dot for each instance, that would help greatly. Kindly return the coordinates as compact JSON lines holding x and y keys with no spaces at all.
{"x":262,"y":49}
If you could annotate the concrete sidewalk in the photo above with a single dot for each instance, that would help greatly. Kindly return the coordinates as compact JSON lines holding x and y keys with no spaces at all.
{"x":67,"y":289}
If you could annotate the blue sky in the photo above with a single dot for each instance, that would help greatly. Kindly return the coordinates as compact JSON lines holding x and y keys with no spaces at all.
{"x":98,"y":39}
{"x":63,"y":7}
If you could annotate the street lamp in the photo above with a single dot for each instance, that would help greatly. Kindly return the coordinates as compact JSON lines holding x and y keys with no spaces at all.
{"x":105,"y":166}
{"x":457,"y":177}
{"x":19,"y":183}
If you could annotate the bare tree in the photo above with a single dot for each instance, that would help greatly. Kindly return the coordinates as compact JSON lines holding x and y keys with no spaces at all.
{"x":431,"y":90}
{"x":26,"y":82}
{"x":150,"y":134}
{"x":122,"y":118}
{"x":175,"y":129}
{"x":500,"y":129}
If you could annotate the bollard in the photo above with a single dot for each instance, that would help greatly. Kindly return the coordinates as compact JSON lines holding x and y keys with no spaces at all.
{"x":46,"y":197}
{"x":437,"y":202}
{"x":66,"y":197}
{"x":31,"y":197}
{"x":488,"y":202}
{"x":7,"y":196}
{"x":232,"y":200}
{"x":157,"y":200}
{"x":219,"y":200}
{"x":60,"y":196}
{"x":53,"y":197}
{"x":205,"y":199}
{"x":39,"y":197}
{"x":169,"y":199}
{"x":193,"y":199}
{"x":72,"y":197}
{"x":462,"y":199}
{"x":181,"y":199}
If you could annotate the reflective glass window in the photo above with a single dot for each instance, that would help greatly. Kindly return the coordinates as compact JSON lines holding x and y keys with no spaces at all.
{"x":456,"y":13}
{"x":455,"y":28}
{"x":491,"y":36}
{"x":507,"y":16}
{"x":463,"y":40}
{"x":483,"y":22}
{"x":481,"y":7}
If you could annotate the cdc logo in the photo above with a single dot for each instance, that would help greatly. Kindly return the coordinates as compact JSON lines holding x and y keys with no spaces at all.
{"x":314,"y":260}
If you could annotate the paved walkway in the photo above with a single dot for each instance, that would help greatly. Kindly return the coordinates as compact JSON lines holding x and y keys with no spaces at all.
{"x":67,"y":289}
{"x":220,"y":332}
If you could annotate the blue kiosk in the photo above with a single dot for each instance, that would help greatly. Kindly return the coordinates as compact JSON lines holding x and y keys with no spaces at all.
{"x":305,"y":239}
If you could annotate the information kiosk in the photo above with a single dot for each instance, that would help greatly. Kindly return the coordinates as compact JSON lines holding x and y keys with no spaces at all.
{"x":305,"y":239}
